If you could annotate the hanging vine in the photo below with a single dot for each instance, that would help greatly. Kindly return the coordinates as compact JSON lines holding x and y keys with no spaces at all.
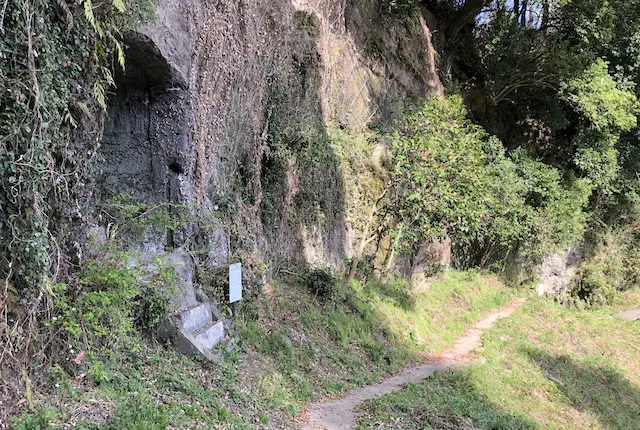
{"x":56,"y":67}
{"x":56,"y":62}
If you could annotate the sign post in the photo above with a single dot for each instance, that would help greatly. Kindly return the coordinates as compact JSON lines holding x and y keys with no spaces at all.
{"x":235,"y":286}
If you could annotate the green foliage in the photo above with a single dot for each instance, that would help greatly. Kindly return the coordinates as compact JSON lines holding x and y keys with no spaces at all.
{"x":612,"y":266}
{"x":607,"y":108}
{"x":118,"y":300}
{"x":363,"y":166}
{"x":594,"y":285}
{"x":402,"y":7}
{"x":555,"y":210}
{"x":596,"y":157}
{"x":561,"y":368}
{"x":437,"y":159}
{"x":40,"y":420}
{"x":321,"y":283}
{"x":606,"y":104}
{"x":54,"y":73}
{"x":451,"y":178}
{"x":563,"y":84}
{"x":346,"y":343}
{"x":139,"y":412}
{"x":132,"y":218}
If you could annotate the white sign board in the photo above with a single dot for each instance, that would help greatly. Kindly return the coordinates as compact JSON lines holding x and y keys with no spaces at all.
{"x":235,"y":282}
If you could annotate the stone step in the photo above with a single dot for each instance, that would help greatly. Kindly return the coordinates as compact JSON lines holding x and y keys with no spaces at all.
{"x":210,"y":334}
{"x":194,"y":317}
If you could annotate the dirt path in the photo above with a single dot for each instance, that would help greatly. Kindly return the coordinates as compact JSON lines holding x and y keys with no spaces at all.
{"x":339,"y":415}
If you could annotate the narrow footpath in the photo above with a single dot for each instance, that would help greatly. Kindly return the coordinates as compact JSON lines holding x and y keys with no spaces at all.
{"x":339,"y":415}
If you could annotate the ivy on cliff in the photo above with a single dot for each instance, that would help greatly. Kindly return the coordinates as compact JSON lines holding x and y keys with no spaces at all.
{"x":56,"y":63}
{"x":56,"y":67}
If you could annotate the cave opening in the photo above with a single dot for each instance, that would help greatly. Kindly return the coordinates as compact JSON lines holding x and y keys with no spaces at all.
{"x":146,"y":146}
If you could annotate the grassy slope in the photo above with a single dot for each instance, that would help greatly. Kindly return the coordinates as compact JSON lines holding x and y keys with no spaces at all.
{"x":320,"y":349}
{"x":293,"y":350}
{"x":546,"y":367}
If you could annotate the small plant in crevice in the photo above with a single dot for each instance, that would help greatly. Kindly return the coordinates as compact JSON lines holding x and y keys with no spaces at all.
{"x":402,"y":7}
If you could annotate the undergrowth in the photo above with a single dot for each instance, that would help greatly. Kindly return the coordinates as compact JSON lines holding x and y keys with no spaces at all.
{"x":56,"y":67}
{"x":160,"y":388}
{"x":612,"y":265}
{"x":295,"y":347}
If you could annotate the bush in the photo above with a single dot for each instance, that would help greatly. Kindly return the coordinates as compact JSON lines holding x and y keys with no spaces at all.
{"x":150,"y":307}
{"x":613,"y":266}
{"x":321,"y":283}
{"x":593,"y":286}
{"x":116,"y":301}
{"x":451,"y":178}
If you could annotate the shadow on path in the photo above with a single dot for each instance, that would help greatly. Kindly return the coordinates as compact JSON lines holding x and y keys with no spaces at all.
{"x":339,"y":414}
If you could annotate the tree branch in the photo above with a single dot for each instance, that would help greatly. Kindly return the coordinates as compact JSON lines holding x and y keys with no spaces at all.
{"x":465,"y":15}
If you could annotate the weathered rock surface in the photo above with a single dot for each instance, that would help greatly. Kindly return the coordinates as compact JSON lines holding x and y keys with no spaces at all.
{"x":192,"y":122}
{"x":558,"y":270}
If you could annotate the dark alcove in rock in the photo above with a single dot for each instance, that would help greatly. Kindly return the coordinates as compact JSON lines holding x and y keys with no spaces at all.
{"x":146,"y":145}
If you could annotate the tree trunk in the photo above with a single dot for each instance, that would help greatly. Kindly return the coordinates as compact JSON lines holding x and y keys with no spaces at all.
{"x":357,"y":257}
{"x":502,"y":7}
{"x":465,"y":15}
{"x":523,"y":17}
{"x":545,"y":14}
{"x":364,"y":239}
{"x":391,"y":255}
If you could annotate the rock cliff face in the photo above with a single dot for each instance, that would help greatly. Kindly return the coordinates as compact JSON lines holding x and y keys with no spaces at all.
{"x":212,"y":86}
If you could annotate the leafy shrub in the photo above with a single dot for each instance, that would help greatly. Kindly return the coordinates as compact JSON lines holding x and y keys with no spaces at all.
{"x":593,"y":287}
{"x":150,"y":307}
{"x":38,"y":420}
{"x":450,"y":178}
{"x":117,"y":300}
{"x":607,"y":105}
{"x":321,"y":283}
{"x":611,"y":267}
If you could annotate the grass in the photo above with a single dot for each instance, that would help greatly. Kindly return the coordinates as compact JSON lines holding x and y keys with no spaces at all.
{"x":434,"y":318}
{"x":320,"y":348}
{"x":547,"y":366}
{"x":158,"y":389}
{"x":294,"y":348}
